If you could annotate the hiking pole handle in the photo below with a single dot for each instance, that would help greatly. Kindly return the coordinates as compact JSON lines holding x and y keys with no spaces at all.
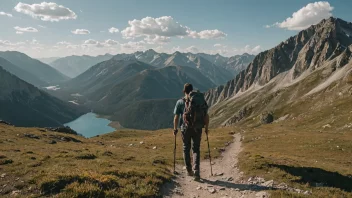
{"x":211,"y":168}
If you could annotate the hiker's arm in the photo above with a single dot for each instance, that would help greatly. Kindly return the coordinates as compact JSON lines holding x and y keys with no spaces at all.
{"x":206,"y":123}
{"x":176,"y":119}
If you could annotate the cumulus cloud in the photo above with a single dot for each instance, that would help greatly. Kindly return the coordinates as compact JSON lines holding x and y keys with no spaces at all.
{"x":5,"y":14}
{"x":133,"y":46}
{"x":309,"y":15}
{"x":159,"y":30}
{"x":46,"y":11}
{"x":208,"y":34}
{"x":41,"y":26}
{"x":111,"y":42}
{"x":217,"y":45}
{"x":113,"y":30}
{"x":80,"y":31}
{"x":155,"y":39}
{"x":90,"y":42}
{"x":24,"y":29}
{"x":63,"y":43}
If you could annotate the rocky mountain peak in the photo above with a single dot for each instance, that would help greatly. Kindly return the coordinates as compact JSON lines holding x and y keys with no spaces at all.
{"x":307,"y":51}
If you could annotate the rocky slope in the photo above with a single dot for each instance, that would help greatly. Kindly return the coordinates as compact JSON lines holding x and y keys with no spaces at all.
{"x":22,"y":74}
{"x":73,"y":66}
{"x":41,"y":70}
{"x":305,"y":52}
{"x":23,"y":104}
{"x":303,"y":68}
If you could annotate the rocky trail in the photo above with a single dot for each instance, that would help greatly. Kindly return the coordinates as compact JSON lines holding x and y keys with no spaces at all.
{"x":226,"y":182}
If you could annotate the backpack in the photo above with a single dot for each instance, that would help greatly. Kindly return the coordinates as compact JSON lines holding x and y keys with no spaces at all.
{"x":195,"y":111}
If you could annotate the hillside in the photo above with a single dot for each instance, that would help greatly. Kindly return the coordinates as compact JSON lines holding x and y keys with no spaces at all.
{"x":103,"y":76}
{"x":149,"y":96}
{"x":22,"y":74}
{"x":23,"y":104}
{"x":41,"y":70}
{"x":73,"y":66}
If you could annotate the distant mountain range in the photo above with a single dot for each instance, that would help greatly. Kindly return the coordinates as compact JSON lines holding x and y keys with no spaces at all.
{"x":48,"y":60}
{"x":72,"y":66}
{"x":216,"y":67}
{"x":308,"y":68}
{"x":41,"y":71}
{"x":22,"y":104}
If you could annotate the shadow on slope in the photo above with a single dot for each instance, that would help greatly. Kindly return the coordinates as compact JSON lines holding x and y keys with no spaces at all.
{"x":317,"y":177}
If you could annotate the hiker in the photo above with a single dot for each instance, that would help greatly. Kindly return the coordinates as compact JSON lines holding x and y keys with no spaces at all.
{"x":191,"y":112}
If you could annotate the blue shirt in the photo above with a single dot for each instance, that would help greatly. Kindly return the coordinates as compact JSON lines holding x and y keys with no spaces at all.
{"x":179,"y":108}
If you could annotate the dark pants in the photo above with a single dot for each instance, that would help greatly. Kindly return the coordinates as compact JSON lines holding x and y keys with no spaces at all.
{"x":189,"y":136}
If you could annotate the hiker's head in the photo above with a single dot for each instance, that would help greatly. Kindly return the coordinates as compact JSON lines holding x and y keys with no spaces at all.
{"x":187,"y":88}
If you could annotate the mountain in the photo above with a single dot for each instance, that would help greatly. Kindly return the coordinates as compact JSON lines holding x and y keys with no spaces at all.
{"x":305,"y":69}
{"x":48,"y":60}
{"x":216,"y":74}
{"x":150,"y":94}
{"x":22,"y":104}
{"x":152,"y":57}
{"x":205,"y":63}
{"x":105,"y":75}
{"x":41,"y":70}
{"x":216,"y":59}
{"x":238,"y":63}
{"x":22,"y":74}
{"x":72,"y":66}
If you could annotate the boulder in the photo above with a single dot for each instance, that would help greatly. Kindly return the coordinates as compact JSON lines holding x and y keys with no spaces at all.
{"x":267,"y":118}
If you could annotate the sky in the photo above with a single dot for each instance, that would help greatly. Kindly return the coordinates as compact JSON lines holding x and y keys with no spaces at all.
{"x":60,"y":28}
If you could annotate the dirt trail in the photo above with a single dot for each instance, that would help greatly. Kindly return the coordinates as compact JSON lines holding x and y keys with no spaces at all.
{"x":225,"y":182}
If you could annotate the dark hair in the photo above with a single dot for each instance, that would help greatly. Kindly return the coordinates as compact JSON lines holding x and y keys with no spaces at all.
{"x":187,"y":88}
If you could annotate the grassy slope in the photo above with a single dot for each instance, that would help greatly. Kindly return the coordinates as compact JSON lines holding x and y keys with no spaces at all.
{"x":105,"y":166}
{"x":299,"y":150}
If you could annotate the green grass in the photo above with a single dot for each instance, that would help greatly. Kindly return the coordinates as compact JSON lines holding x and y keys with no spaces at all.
{"x":111,"y":165}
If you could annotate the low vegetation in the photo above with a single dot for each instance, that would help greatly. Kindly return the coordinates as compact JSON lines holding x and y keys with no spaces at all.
{"x":127,"y":163}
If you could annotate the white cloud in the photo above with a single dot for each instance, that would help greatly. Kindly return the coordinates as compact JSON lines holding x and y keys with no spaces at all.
{"x":25,"y":29}
{"x":18,"y":32}
{"x":133,"y":46}
{"x":192,"y":49}
{"x":208,"y":34}
{"x":91,"y":42}
{"x":80,"y":31}
{"x":217,"y":45}
{"x":5,"y":14}
{"x":41,"y":26}
{"x":63,"y":43}
{"x":155,"y":39}
{"x":113,"y":30}
{"x":309,"y":15}
{"x":160,"y":30}
{"x":46,"y":11}
{"x":111,"y":42}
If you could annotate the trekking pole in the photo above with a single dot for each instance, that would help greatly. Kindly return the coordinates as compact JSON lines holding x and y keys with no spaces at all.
{"x":211,"y":168}
{"x":175,"y":156}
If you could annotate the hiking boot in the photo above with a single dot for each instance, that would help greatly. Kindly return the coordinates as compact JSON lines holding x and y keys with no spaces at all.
{"x":190,"y":173}
{"x":196,"y":176}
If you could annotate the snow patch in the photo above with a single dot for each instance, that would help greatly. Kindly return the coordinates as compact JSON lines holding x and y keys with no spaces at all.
{"x":52,"y":88}
{"x":102,"y":72}
{"x":73,"y":102}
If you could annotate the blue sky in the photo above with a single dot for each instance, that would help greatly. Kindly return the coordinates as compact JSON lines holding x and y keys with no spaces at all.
{"x":234,"y":26}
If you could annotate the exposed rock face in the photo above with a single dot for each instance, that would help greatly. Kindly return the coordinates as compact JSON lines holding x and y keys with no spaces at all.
{"x":331,"y":39}
{"x":267,"y":118}
{"x":243,"y":113}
